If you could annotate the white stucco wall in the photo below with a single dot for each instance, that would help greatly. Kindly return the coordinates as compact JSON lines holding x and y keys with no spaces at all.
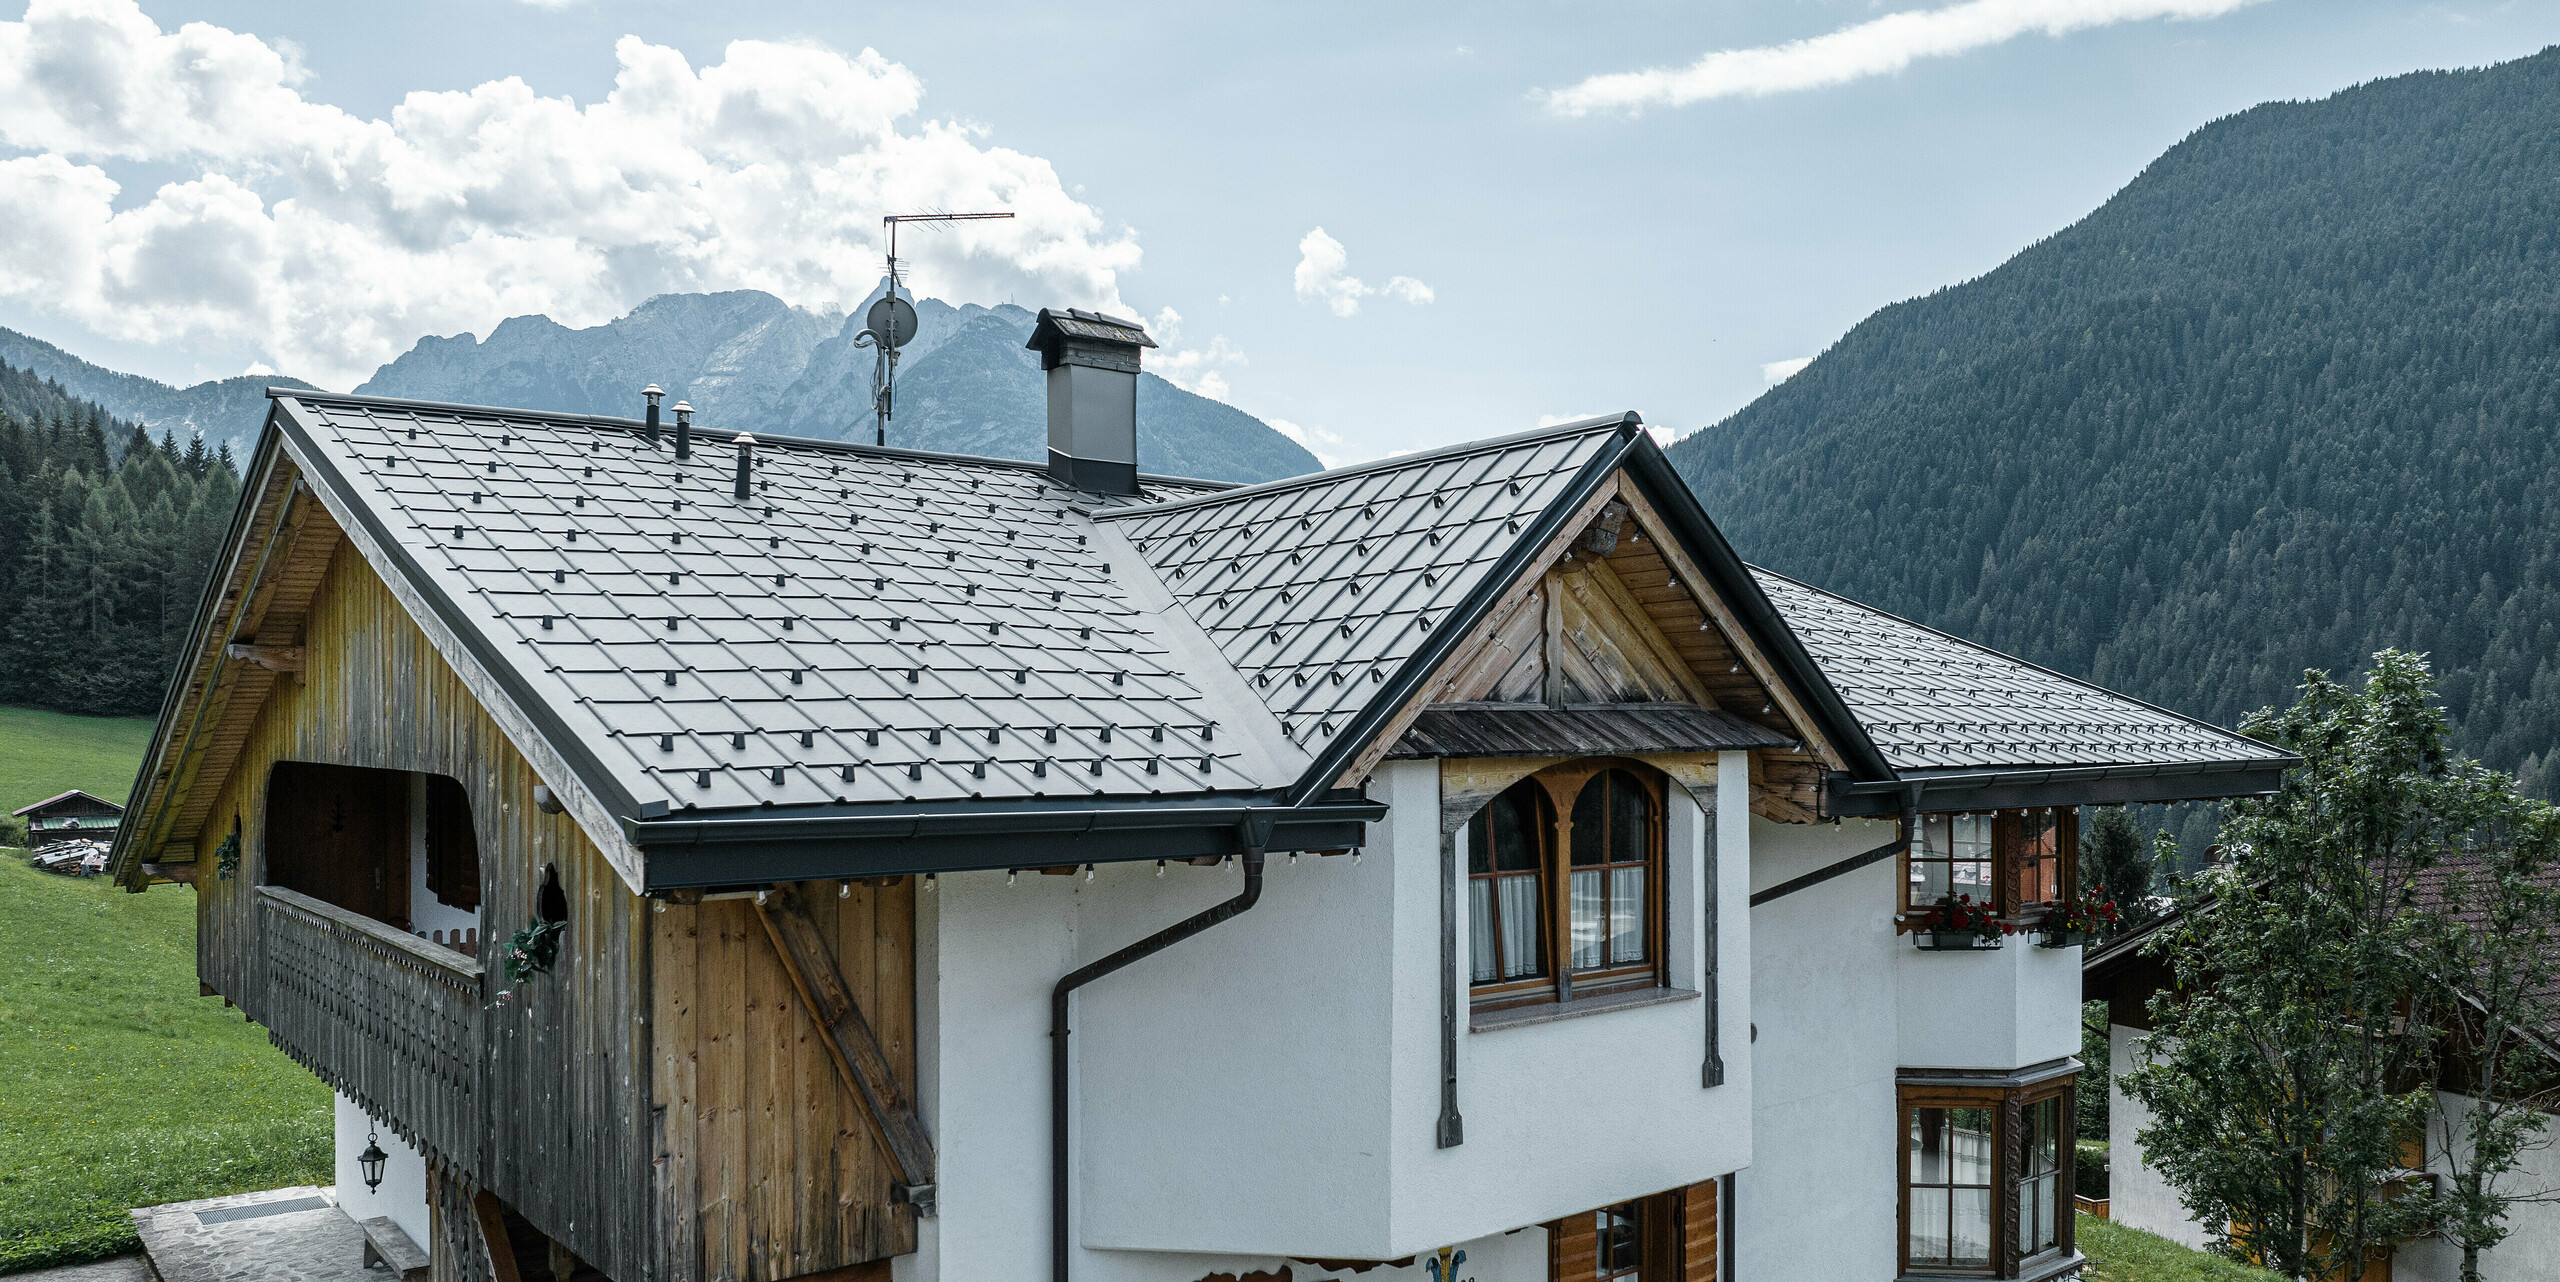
{"x":2532,"y":1247}
{"x":1844,"y":1004}
{"x":403,"y":1195}
{"x":2136,"y":1194}
{"x":1270,"y":1088}
{"x":1818,"y":1201}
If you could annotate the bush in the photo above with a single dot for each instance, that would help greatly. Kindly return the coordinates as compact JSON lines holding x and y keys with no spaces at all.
{"x":2089,"y":1168}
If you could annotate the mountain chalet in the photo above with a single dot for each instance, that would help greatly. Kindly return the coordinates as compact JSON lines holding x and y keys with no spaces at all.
{"x":693,"y":857}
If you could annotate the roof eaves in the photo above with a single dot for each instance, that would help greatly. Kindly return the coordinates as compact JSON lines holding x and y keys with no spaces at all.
{"x":63,"y":796}
{"x":1741,"y":590}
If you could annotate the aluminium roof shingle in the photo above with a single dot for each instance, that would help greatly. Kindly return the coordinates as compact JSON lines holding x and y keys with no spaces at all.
{"x":1934,"y":702}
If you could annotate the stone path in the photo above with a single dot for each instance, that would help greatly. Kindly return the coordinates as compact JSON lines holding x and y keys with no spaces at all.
{"x":277,"y":1235}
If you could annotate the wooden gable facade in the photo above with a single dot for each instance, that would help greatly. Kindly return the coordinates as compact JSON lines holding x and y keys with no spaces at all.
{"x":660,"y":1104}
{"x":1620,"y":614}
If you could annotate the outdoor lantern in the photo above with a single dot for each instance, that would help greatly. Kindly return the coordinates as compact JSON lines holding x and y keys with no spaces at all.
{"x":371,"y":1159}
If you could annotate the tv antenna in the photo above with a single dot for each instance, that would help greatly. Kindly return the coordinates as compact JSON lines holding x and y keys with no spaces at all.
{"x":891,"y":322}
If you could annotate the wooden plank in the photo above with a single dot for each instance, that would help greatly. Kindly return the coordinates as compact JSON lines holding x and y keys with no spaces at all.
{"x":674,"y":967}
{"x":724,"y":1070}
{"x":855,"y":1046}
{"x":491,"y":1215}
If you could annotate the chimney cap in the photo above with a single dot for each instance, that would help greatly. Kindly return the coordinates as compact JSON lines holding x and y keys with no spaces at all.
{"x":653,"y":390}
{"x":1062,"y":333}
{"x":744,"y":439}
{"x":683,"y":408}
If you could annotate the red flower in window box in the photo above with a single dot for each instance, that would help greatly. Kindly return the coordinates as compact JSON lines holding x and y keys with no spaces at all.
{"x":1955,"y":921}
{"x":2080,"y":918}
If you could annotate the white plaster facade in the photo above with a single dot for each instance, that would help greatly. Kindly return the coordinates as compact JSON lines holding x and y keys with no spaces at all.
{"x":1269,"y":1089}
{"x":403,"y":1194}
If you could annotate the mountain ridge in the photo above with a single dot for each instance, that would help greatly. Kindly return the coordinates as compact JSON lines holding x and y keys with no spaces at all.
{"x":2283,"y":400}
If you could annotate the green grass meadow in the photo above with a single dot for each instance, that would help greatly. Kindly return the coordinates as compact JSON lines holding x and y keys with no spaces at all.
{"x":2120,"y":1254}
{"x":119,"y":1087}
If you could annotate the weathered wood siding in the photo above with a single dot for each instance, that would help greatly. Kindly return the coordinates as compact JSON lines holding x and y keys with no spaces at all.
{"x":565,"y":1127}
{"x":769,"y":1170}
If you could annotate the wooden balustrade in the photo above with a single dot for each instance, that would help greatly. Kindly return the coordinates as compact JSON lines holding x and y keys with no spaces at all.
{"x":392,"y":1020}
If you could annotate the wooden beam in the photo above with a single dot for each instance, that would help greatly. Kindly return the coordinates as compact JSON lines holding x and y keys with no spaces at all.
{"x":274,"y":658}
{"x":492,"y":1215}
{"x":1735,"y":634}
{"x":850,"y":1041}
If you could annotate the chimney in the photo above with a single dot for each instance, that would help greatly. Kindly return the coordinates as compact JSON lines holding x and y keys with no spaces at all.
{"x":1092,"y":361}
{"x":653,"y":392}
{"x":746,"y":446}
{"x":684,"y":430}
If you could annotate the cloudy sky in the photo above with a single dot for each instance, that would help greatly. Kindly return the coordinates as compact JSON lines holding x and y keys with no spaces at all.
{"x":1387,"y":227}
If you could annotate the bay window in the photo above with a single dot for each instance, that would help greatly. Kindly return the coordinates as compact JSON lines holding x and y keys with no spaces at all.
{"x":1566,"y":864}
{"x":2017,"y":862}
{"x":1986,"y":1175}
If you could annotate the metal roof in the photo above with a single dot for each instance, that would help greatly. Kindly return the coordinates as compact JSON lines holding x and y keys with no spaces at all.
{"x":869,"y":625}
{"x":1318,"y":589}
{"x":66,"y":796}
{"x":1933,"y":702}
{"x":1534,"y":730}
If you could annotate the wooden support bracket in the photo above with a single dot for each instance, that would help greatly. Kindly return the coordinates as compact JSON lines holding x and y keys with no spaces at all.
{"x":492,"y":1216}
{"x":274,"y":658}
{"x":851,"y":1043}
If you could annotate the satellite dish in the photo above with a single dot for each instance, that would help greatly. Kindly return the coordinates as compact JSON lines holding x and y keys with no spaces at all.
{"x":893,"y":320}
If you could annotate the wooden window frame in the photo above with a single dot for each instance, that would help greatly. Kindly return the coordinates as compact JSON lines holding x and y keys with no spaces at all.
{"x":2007,"y":1105}
{"x":1560,"y":785}
{"x":2006,"y":837}
{"x":1680,"y":1234}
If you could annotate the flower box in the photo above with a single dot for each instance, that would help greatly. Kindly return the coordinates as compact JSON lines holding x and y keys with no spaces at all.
{"x":1957,"y":941}
{"x":2058,"y":937}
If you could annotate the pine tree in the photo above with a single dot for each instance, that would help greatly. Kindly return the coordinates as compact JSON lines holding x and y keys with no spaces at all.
{"x":2113,"y":855}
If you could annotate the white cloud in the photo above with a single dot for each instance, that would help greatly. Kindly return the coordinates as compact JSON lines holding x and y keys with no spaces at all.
{"x":1166,"y":327}
{"x":1877,"y":47}
{"x":1199,"y":369}
{"x":1781,"y":371}
{"x":1315,"y":439}
{"x":1322,"y":264}
{"x":324,"y":243}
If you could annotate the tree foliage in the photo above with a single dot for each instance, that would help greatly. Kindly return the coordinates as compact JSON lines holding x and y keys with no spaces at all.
{"x":2295,"y":1056}
{"x":2285,"y":400}
{"x":2112,"y":855}
{"x":106,"y":538}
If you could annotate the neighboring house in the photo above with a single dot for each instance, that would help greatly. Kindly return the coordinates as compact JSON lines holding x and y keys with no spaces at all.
{"x":1464,"y":852}
{"x":2126,"y":975}
{"x":69,"y":816}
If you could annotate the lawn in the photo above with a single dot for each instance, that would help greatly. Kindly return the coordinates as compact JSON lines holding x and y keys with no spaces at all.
{"x":42,"y":753}
{"x":2120,"y":1254}
{"x":119,"y":1087}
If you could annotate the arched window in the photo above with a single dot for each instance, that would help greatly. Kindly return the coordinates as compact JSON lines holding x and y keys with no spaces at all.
{"x":1507,"y":914}
{"x":1613,"y":841}
{"x":1564,"y":886}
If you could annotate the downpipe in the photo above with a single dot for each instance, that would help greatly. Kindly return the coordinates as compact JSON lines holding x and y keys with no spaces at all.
{"x":1059,"y":1164}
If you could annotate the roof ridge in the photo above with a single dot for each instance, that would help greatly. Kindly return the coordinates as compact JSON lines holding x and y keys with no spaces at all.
{"x":763,"y":439}
{"x":1559,"y":431}
{"x":2024,"y":663}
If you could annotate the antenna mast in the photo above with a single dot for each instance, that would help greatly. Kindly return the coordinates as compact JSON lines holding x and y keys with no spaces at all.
{"x":892,"y":321}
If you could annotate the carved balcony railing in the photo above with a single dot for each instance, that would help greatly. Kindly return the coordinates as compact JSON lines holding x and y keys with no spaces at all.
{"x":392,"y":1020}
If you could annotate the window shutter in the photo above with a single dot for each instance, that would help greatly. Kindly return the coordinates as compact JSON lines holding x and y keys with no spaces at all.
{"x":1573,"y":1249}
{"x":1700,"y":1233}
{"x":453,"y":851}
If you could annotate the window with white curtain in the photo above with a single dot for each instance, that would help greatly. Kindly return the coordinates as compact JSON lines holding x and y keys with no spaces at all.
{"x":1565,"y":866}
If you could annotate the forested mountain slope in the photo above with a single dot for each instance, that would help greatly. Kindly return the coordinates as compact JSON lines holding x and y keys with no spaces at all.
{"x":223,"y":411}
{"x":2292,"y":396}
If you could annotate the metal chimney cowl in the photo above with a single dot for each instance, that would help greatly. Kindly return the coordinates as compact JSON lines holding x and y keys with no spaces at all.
{"x":1092,"y":363}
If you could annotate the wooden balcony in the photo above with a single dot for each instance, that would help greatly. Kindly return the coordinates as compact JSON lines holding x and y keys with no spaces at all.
{"x":392,"y":1020}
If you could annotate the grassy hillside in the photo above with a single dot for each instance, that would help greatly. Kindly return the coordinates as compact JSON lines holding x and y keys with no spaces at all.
{"x":2286,"y":399}
{"x":119,"y":1087}
{"x":2120,"y":1254}
{"x":42,"y":753}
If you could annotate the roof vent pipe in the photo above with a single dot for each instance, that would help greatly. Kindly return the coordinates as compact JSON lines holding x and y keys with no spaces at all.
{"x":746,"y":449}
{"x":653,"y":392}
{"x":1092,"y":363}
{"x":684,"y":430}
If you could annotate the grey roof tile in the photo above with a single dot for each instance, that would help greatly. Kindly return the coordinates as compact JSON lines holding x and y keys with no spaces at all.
{"x":1931,"y":701}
